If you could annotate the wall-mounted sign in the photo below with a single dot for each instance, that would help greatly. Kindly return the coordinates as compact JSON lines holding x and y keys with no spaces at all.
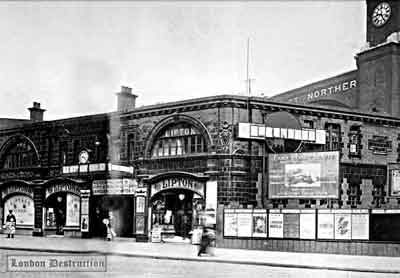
{"x":179,"y":183}
{"x":25,"y":189}
{"x":393,"y":173}
{"x":114,"y":187}
{"x":260,"y":131}
{"x":22,"y":207}
{"x":275,"y":221}
{"x":304,"y":175}
{"x":63,"y":187}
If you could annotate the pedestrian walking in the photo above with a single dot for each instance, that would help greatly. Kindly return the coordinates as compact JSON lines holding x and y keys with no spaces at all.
{"x":109,"y":227}
{"x":10,"y":224}
{"x":206,"y":241}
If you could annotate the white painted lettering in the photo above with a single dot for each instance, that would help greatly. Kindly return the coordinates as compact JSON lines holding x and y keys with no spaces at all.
{"x":345,"y":86}
{"x":353,"y":84}
{"x":338,"y":88}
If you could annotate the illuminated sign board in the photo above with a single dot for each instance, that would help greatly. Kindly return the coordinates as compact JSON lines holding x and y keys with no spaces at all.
{"x":304,"y":175}
{"x":260,"y":131}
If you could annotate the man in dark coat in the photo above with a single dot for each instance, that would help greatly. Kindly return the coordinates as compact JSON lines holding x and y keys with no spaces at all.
{"x":10,"y":224}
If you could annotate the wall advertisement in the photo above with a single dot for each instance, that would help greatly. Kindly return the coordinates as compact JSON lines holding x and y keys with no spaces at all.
{"x":304,"y":175}
{"x":360,"y":226}
{"x":307,"y":225}
{"x":326,"y":224}
{"x":275,"y":225}
{"x":394,"y":179}
{"x":244,"y":223}
{"x":259,"y":224}
{"x":342,"y":226}
{"x":291,"y":225}
{"x":73,"y":210}
{"x":230,"y":223}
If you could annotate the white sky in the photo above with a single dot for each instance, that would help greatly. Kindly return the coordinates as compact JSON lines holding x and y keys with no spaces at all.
{"x":72,"y":57}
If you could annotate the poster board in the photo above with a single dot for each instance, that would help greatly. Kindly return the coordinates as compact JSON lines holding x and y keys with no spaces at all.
{"x":244,"y":223}
{"x":307,"y":225}
{"x":360,"y":226}
{"x":259,"y":224}
{"x":291,"y":225}
{"x":73,"y":210}
{"x":342,"y":226}
{"x":326,"y":225}
{"x":275,"y":225}
{"x":230,"y":223}
{"x":304,"y":175}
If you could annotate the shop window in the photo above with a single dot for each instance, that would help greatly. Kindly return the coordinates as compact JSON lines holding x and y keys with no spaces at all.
{"x":333,"y":137}
{"x":22,"y":207}
{"x":20,"y":155}
{"x":179,"y":139}
{"x":355,"y":142}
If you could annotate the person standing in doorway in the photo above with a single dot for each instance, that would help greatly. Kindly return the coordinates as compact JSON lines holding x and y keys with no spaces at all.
{"x":110,"y":228}
{"x":10,"y":224}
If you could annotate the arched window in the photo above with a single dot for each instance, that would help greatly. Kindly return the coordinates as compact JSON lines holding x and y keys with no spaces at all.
{"x":179,"y":139}
{"x":20,"y":155}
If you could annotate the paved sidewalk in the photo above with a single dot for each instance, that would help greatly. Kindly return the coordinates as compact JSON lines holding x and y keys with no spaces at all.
{"x":182,"y":251}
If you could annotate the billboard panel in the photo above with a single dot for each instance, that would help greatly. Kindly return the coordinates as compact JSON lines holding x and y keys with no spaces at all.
{"x":304,"y":175}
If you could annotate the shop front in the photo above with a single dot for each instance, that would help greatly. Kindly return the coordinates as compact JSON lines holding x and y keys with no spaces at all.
{"x":18,"y":198}
{"x":61,"y":209}
{"x":112,"y":198}
{"x":177,"y":203}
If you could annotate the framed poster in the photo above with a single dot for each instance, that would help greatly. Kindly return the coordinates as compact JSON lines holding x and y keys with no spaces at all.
{"x":360,"y":226}
{"x":230,"y":224}
{"x":259,"y":225}
{"x":244,"y":224}
{"x":291,"y":225}
{"x":84,"y":223}
{"x":342,"y":226}
{"x":307,"y":225}
{"x":275,"y":225}
{"x":326,"y":225}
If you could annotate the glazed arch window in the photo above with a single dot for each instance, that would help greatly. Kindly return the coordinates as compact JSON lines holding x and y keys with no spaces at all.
{"x":179,"y":139}
{"x":21,"y":155}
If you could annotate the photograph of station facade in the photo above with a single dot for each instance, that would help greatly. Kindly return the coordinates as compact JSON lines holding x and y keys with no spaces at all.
{"x":315,"y":169}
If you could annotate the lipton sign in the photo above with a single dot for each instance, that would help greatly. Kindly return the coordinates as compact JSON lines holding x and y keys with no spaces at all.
{"x":178,"y":183}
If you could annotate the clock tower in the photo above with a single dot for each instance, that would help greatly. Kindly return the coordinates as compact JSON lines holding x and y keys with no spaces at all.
{"x":383,"y":19}
{"x":379,"y":64}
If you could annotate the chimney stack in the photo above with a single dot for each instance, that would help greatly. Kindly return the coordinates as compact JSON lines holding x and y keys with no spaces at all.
{"x":36,"y":112}
{"x":126,"y":100}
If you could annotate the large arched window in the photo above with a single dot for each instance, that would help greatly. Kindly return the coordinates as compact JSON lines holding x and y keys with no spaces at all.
{"x":179,"y":139}
{"x":20,"y":155}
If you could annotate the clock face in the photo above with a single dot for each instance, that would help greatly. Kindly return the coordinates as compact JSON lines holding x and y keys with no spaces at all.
{"x":381,"y":14}
{"x":83,"y":157}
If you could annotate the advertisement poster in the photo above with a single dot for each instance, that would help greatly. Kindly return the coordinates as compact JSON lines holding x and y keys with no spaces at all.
{"x":291,"y":225}
{"x":230,"y":224}
{"x":140,"y":204}
{"x":73,"y":210}
{"x":360,"y":226}
{"x":22,"y":207}
{"x":139,"y":224}
{"x":342,"y":226}
{"x":304,"y":175}
{"x":259,"y":225}
{"x":84,"y":223}
{"x":244,"y":224}
{"x":275,"y":225}
{"x":395,"y":182}
{"x":326,"y":226}
{"x":307,"y":225}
